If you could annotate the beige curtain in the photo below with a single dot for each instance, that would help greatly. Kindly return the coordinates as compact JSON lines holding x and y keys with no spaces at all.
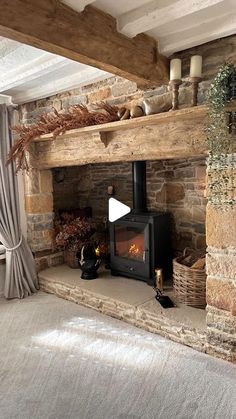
{"x":21,"y":278}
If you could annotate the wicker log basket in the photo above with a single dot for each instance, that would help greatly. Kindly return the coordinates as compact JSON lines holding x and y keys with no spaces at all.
{"x":189,"y":283}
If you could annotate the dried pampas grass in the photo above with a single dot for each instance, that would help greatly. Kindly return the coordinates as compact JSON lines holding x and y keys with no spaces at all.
{"x":56,"y":123}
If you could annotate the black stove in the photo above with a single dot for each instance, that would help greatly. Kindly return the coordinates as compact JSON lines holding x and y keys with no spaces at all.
{"x":140,"y":242}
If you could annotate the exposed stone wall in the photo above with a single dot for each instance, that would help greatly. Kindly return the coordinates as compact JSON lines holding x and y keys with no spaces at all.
{"x":221,"y":280}
{"x":39,"y":209}
{"x":174,"y":185}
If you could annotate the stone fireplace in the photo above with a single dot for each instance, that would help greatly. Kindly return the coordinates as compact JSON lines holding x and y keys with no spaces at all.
{"x":76,"y":170}
{"x":175,"y":185}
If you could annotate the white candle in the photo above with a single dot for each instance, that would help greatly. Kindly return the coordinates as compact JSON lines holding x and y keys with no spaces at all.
{"x":196,"y":66}
{"x":175,"y":69}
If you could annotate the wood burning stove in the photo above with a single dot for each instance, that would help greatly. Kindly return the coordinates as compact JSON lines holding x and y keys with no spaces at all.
{"x":140,"y":241}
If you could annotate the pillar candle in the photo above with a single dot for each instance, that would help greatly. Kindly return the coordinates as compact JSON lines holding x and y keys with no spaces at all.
{"x":175,"y":69}
{"x":196,"y":66}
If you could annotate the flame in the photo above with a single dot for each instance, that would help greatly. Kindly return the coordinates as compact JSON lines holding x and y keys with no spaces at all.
{"x":97,"y":251}
{"x":134,"y":250}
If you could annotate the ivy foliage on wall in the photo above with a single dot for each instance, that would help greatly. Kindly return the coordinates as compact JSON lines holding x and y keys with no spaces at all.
{"x":221,"y":138}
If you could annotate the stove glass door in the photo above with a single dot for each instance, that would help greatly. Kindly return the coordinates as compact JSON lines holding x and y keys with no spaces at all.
{"x":130,"y":242}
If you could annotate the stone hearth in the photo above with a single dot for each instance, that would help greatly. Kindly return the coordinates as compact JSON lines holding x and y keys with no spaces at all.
{"x":131,"y":301}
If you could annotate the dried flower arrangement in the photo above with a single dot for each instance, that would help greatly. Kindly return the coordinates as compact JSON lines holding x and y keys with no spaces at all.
{"x":77,"y":116}
{"x":73,"y":233}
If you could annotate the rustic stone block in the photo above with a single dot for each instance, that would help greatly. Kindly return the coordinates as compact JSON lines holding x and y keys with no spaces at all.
{"x":222,"y":265}
{"x":174,"y":192}
{"x":155,"y":92}
{"x":117,"y":101}
{"x":202,"y":91}
{"x":199,"y":214}
{"x":201,"y":241}
{"x":46,"y":181}
{"x":221,"y":227}
{"x":185,"y":96}
{"x":57,"y":104}
{"x":123,"y":88}
{"x":221,"y":320}
{"x":221,"y":294}
{"x":183,"y":239}
{"x":199,"y":227}
{"x":74,"y":100}
{"x":200,"y":173}
{"x":223,"y":345}
{"x":40,"y":203}
{"x":43,"y":226}
{"x":185,"y":172}
{"x":31,"y":182}
{"x":99,"y":95}
{"x":159,"y":196}
{"x":40,"y":111}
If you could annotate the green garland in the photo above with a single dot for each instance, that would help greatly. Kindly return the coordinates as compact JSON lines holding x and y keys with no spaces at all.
{"x":221,"y":161}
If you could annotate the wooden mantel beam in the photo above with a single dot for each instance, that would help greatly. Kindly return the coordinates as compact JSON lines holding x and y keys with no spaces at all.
{"x":89,"y":37}
{"x":178,"y":134}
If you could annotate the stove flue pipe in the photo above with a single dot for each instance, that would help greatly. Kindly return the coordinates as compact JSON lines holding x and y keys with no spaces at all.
{"x":139,"y":186}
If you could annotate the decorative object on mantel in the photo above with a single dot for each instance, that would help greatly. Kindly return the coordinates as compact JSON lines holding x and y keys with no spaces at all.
{"x":190,"y":278}
{"x":175,"y":81}
{"x":220,"y":132}
{"x":195,"y":76}
{"x":73,"y":234}
{"x":134,"y":112}
{"x":123,"y":113}
{"x":157,"y":104}
{"x":77,"y":116}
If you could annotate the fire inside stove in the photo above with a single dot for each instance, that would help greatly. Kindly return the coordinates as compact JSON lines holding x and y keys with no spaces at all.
{"x":136,"y":252}
{"x":129,"y":243}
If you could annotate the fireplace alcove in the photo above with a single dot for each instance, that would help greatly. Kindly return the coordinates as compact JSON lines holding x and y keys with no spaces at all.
{"x":179,"y":188}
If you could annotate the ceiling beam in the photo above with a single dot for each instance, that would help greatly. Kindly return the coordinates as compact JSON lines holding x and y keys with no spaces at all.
{"x":154,"y":14}
{"x":89,"y":37}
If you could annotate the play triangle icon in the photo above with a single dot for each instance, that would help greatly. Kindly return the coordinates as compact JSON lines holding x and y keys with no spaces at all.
{"x":117,"y":209}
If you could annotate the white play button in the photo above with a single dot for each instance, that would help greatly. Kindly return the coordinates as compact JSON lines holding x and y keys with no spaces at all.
{"x":117,"y":209}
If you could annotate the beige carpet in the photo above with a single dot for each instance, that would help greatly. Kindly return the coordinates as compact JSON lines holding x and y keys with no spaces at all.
{"x":60,"y":360}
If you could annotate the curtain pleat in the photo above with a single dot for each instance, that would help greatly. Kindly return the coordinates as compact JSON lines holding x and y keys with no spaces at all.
{"x":21,"y":277}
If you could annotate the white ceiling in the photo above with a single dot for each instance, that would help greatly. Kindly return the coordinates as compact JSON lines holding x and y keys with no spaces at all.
{"x":27,"y":73}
